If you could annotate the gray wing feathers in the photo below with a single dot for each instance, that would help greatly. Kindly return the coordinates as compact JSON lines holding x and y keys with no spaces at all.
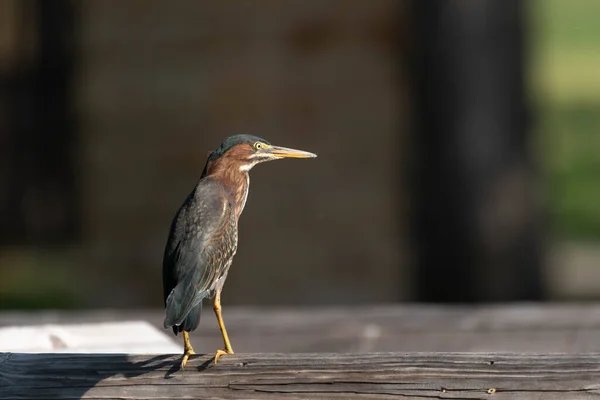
{"x":195,"y":238}
{"x":184,"y":296}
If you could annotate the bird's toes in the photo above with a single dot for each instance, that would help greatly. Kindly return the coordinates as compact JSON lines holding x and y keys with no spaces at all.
{"x":186,"y":357}
{"x":219,"y":354}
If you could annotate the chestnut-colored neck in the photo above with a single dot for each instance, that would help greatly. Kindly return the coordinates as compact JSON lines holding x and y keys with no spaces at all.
{"x":228,"y":171}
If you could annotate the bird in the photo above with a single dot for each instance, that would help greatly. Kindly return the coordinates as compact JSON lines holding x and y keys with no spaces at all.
{"x":203,"y":236}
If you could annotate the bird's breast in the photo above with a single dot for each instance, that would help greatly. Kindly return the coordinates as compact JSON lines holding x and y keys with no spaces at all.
{"x":242,"y":195}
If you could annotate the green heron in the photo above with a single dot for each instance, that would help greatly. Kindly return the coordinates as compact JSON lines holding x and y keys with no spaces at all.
{"x":204,"y":234}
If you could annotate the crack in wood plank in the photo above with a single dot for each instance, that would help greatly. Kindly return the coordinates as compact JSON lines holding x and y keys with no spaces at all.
{"x":301,"y":376}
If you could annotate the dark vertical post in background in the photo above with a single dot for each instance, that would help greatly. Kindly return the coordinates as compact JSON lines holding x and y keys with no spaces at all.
{"x":42,"y":197}
{"x":475,"y":215}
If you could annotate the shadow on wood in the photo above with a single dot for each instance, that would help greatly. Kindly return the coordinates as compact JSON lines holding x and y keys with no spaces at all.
{"x":71,"y":375}
{"x":301,"y":376}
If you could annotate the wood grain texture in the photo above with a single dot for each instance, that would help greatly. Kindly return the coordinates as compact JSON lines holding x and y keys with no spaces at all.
{"x":302,"y":376}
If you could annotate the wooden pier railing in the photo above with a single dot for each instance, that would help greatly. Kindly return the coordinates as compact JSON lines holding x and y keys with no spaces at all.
{"x":518,"y":351}
{"x":301,"y":376}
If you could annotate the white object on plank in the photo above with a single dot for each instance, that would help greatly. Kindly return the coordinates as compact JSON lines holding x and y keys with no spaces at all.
{"x":131,"y":337}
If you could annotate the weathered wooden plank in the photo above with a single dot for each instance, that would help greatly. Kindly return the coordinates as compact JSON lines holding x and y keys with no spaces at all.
{"x":525,"y":327}
{"x":301,"y":376}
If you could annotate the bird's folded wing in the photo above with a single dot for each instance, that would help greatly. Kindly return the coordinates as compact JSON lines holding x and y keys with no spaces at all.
{"x":198,"y":260}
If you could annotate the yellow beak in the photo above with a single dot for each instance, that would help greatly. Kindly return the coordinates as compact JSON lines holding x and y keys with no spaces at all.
{"x":284,"y":152}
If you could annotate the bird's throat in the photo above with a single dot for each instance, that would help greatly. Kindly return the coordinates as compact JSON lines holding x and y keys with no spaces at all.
{"x":236,"y":184}
{"x":235,"y":181}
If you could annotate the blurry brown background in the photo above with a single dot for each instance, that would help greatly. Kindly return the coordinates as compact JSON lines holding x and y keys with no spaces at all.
{"x":454,"y":144}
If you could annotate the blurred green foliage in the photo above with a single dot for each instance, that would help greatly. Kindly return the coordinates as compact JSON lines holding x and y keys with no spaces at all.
{"x":564,"y":75}
{"x":37,"y":278}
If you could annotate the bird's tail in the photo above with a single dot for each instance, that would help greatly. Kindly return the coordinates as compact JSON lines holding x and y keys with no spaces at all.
{"x":182,"y":309}
{"x":191,"y":321}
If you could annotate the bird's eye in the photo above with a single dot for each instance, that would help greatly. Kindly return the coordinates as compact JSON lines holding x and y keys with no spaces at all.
{"x":258,"y":145}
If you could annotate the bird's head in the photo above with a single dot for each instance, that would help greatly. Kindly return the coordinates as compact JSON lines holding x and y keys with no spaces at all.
{"x":245,"y":151}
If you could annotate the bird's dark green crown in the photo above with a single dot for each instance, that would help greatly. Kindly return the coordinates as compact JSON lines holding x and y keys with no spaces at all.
{"x":233,"y":141}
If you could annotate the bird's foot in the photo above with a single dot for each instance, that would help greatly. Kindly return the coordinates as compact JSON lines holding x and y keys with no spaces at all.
{"x":222,"y":352}
{"x":186,"y":356}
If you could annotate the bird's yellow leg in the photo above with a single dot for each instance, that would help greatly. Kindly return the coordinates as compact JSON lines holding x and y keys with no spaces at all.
{"x":217,"y":308}
{"x":188,"y":350}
